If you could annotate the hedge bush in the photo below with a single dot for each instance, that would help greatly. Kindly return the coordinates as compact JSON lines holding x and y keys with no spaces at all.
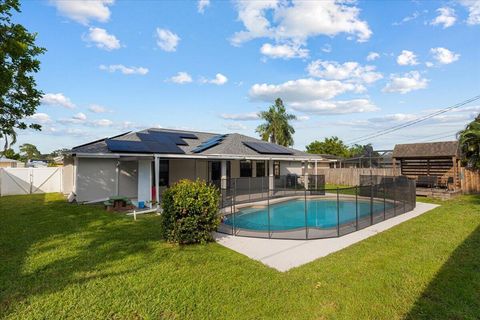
{"x":190,"y":212}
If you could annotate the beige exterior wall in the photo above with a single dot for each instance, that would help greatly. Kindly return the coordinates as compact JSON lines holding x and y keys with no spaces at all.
{"x":181,"y":169}
{"x":128,"y":179}
{"x":96,"y":179}
{"x":8,"y":164}
{"x":291,"y":167}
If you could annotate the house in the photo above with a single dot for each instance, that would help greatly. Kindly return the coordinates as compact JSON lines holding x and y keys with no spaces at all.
{"x":437,"y":160}
{"x":138,"y":164}
{"x":10,"y":163}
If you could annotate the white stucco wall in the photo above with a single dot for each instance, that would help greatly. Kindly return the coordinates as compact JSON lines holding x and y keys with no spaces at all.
{"x":68,"y":175}
{"x":96,"y":179}
{"x":128,"y":179}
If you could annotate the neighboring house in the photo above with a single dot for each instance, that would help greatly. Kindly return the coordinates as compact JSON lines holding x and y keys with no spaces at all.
{"x":33,"y":163}
{"x":440,"y":160}
{"x":10,"y":163}
{"x":136,"y":164}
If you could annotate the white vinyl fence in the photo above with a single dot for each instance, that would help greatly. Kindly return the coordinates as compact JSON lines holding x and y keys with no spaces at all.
{"x":15,"y":181}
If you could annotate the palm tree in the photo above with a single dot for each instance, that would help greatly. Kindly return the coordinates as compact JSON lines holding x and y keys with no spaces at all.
{"x":277,"y":128}
{"x":469,"y":142}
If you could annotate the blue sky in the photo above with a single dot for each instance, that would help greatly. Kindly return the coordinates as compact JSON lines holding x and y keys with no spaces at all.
{"x":345,"y":68}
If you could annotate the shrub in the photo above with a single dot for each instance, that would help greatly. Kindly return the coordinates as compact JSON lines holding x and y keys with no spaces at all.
{"x":190,"y":212}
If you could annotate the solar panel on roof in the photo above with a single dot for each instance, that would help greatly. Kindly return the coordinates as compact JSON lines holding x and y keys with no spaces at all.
{"x":267,"y":148}
{"x":213,"y":141}
{"x":151,"y":142}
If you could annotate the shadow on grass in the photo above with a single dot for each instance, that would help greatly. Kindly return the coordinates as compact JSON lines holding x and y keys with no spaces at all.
{"x":47,"y":244}
{"x":454,"y":293}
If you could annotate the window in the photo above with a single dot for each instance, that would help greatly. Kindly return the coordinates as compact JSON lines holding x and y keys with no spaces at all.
{"x":260,"y":169}
{"x":276,"y":168}
{"x":245,"y":168}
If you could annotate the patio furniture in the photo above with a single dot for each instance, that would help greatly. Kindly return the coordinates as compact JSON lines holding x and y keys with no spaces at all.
{"x":118,"y":203}
{"x":427,"y":181}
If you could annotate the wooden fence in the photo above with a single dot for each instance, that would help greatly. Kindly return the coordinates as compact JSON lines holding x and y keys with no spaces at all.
{"x":470,"y":181}
{"x":351,"y":176}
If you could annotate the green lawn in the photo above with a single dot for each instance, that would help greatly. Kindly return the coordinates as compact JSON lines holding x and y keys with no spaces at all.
{"x":68,"y":261}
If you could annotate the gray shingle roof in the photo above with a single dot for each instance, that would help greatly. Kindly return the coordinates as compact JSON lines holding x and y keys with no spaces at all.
{"x":426,"y":150}
{"x":232,"y":144}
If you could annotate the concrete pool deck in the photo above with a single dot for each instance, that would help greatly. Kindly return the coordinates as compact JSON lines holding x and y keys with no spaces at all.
{"x":286,"y":254}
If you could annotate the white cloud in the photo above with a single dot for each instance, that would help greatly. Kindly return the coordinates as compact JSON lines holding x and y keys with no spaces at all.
{"x":80,"y":116}
{"x":444,"y":56}
{"x":296,"y":21}
{"x":202,"y":4}
{"x":327,"y":48}
{"x":57,"y":99}
{"x":102,"y":123}
{"x":429,"y":64}
{"x":350,"y":71}
{"x":335,"y":107}
{"x":407,"y":58}
{"x":473,"y":7}
{"x":411,"y":17}
{"x":373,"y":56}
{"x":41,"y":118}
{"x":83,"y":11}
{"x":410,"y":81}
{"x":219,"y":80}
{"x":181,"y":78}
{"x":446,"y":17}
{"x":235,"y":126}
{"x":302,"y":118}
{"x":240,"y":116}
{"x":167,"y":40}
{"x":300,"y":90}
{"x":95,"y":108}
{"x":397,"y":117}
{"x":283,"y":51}
{"x":102,"y":39}
{"x":123,"y":69}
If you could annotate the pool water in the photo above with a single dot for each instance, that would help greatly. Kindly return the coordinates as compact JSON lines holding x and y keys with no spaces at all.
{"x":321,"y":213}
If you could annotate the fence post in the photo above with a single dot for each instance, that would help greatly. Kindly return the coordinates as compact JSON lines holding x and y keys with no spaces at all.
{"x":384,"y":197}
{"x":249,"y":189}
{"x":371,"y":202}
{"x":268,"y":214}
{"x":394,"y":196}
{"x":338,"y":214}
{"x":306,"y":215}
{"x":356,"y":207}
{"x":234,"y":206}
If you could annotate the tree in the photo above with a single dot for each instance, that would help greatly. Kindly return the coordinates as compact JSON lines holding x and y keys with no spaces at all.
{"x":29,"y":151}
{"x":19,"y":97}
{"x":277,"y":128}
{"x":10,"y":154}
{"x":332,"y":145}
{"x":469,"y":144}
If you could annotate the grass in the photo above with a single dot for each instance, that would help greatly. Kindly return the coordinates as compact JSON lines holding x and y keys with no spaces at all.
{"x":80,"y":262}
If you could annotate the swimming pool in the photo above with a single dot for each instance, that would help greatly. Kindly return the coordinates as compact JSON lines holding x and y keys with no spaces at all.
{"x":289,"y":215}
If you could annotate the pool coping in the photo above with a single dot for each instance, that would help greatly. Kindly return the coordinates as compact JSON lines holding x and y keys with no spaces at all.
{"x":283,"y":255}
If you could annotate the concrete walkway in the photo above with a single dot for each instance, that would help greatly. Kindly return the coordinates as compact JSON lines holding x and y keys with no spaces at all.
{"x":286,"y":254}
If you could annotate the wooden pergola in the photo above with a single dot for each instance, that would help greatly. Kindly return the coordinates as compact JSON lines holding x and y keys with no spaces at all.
{"x":439,"y":160}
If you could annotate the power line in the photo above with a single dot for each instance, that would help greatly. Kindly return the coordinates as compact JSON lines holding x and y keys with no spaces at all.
{"x":413,"y":122}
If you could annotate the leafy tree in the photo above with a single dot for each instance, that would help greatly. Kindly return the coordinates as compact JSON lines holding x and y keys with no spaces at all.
{"x":29,"y":151}
{"x":10,"y":154}
{"x":19,"y":97}
{"x":469,"y":143}
{"x":332,"y":145}
{"x":57,"y":153}
{"x":277,"y":128}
